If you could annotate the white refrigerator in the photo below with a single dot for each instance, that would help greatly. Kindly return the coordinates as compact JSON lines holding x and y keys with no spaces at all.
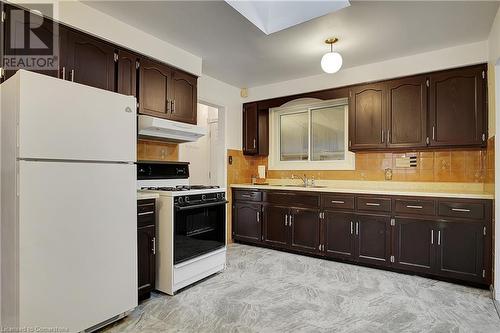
{"x":68,"y":204}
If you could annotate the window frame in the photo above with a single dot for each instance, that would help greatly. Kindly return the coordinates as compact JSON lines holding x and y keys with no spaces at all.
{"x":299,"y":106}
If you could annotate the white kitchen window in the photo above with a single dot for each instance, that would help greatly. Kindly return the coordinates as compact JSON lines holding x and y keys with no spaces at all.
{"x":309,"y":134}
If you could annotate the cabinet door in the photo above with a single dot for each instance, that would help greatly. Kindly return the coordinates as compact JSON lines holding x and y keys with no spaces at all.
{"x":247,"y":224}
{"x":145,"y":260}
{"x":414,"y":242}
{"x":250,"y":129}
{"x":407,"y":112}
{"x":460,"y":246}
{"x":16,"y":43}
{"x":276,"y":230}
{"x":304,"y":229}
{"x":127,"y":74}
{"x":87,"y":60}
{"x":339,"y":235}
{"x":367,"y":109}
{"x":154,"y":86}
{"x":183,"y":102}
{"x":373,"y":240}
{"x":457,"y":107}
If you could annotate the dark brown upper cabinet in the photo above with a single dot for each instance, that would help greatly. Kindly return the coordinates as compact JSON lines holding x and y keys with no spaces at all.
{"x":167,"y":93}
{"x":183,"y":103}
{"x":367,"y":116}
{"x":126,"y":82}
{"x":458,"y":107}
{"x":87,"y":60}
{"x":407,"y":112}
{"x":155,"y":80}
{"x":255,"y":130}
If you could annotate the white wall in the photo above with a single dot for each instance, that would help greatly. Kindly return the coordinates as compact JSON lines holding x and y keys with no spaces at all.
{"x":494,"y":100}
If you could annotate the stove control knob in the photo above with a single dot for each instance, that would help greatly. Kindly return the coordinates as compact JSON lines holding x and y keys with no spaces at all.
{"x":203,"y":197}
{"x":180,"y":200}
{"x":219,"y":196}
{"x":186,"y":198}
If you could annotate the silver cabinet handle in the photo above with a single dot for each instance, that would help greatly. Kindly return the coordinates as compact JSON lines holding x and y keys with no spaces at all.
{"x":351,"y":228}
{"x":168,"y":105}
{"x":154,"y":245}
{"x":145,"y":213}
{"x":382,"y":136}
{"x":254,"y":143}
{"x":337,"y":202}
{"x":72,"y":73}
{"x":247,"y":196}
{"x":286,"y":220}
{"x":414,"y":206}
{"x":290,"y":220}
{"x":388,"y":136}
{"x":258,"y":216}
{"x":462,"y":210}
{"x":357,"y":228}
{"x":372,"y":204}
{"x":319,"y":247}
{"x":433,"y":132}
{"x":172,"y":106}
{"x":64,"y":73}
{"x":439,"y":237}
{"x":432,"y":236}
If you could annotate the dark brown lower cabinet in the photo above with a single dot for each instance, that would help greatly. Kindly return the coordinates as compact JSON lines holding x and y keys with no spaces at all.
{"x":247,"y":217}
{"x":304,"y":229}
{"x":146,"y":247}
{"x":414,"y":244}
{"x":373,"y":239}
{"x":276,"y":231}
{"x":460,"y":246}
{"x":339,"y":235}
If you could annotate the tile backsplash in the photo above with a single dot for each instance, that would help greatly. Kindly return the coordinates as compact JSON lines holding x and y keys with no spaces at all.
{"x":151,"y":150}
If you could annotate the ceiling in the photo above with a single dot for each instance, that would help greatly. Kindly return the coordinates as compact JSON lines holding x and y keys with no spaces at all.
{"x":237,"y":52}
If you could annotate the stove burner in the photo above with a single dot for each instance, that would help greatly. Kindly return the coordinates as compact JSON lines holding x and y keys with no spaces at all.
{"x":181,"y":188}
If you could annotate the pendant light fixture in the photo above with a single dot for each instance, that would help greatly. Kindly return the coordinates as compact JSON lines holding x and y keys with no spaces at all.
{"x":331,"y":61}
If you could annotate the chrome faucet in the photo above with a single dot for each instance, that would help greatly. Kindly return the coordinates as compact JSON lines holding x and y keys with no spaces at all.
{"x":304,"y":179}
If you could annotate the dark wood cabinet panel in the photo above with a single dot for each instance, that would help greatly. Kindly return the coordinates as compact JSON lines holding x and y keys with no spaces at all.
{"x":414,"y":241}
{"x":155,"y":80}
{"x":458,"y":107}
{"x":87,"y":60}
{"x":460,"y":246}
{"x":373,"y":240}
{"x":126,"y":82}
{"x":183,"y":104}
{"x":407,"y":112}
{"x":250,"y":128}
{"x":276,"y":230}
{"x":247,"y":221}
{"x":146,"y":247}
{"x":367,"y":115}
{"x":338,"y":234}
{"x":304,"y":234}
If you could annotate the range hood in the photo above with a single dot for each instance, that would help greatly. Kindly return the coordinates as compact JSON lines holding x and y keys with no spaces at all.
{"x":168,"y":130}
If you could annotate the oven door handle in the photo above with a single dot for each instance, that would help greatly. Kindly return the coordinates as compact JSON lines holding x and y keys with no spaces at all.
{"x":210,"y":204}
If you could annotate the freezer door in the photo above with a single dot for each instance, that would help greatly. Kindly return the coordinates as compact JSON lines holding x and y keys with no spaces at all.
{"x":77,"y":243}
{"x":70,"y":121}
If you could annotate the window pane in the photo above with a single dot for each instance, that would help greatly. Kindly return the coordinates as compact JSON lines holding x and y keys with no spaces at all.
{"x":293,"y":136}
{"x":327,"y":141}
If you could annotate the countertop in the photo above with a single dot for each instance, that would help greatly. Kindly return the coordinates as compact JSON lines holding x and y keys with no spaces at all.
{"x":144,"y":195}
{"x":448,"y":190}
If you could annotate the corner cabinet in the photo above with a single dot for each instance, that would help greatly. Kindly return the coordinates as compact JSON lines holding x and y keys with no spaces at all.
{"x":444,"y":238}
{"x":439,"y":109}
{"x":255,"y":130}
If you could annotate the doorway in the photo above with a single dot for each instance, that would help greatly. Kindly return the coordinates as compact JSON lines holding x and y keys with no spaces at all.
{"x":206,"y":162}
{"x":497,"y":186}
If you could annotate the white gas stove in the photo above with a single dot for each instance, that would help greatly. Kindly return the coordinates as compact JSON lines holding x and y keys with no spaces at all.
{"x":191,"y":232}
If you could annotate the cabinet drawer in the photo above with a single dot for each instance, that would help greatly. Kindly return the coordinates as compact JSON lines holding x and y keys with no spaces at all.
{"x":146,"y":212}
{"x":145,"y":206}
{"x":376,"y":204}
{"x":471,"y":210}
{"x":338,"y":202}
{"x":248,"y":195}
{"x":415,"y":206}
{"x":292,"y":199}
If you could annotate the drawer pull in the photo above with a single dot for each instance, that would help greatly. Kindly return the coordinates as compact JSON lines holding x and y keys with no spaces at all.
{"x":414,"y":206}
{"x":338,"y":202}
{"x":372,"y":204}
{"x":461,"y":210}
{"x":247,"y":195}
{"x":145,"y":213}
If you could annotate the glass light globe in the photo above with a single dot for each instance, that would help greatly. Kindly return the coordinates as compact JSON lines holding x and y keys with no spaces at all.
{"x":331,"y":62}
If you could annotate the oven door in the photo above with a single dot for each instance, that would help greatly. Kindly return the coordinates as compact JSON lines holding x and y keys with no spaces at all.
{"x":198,"y":229}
